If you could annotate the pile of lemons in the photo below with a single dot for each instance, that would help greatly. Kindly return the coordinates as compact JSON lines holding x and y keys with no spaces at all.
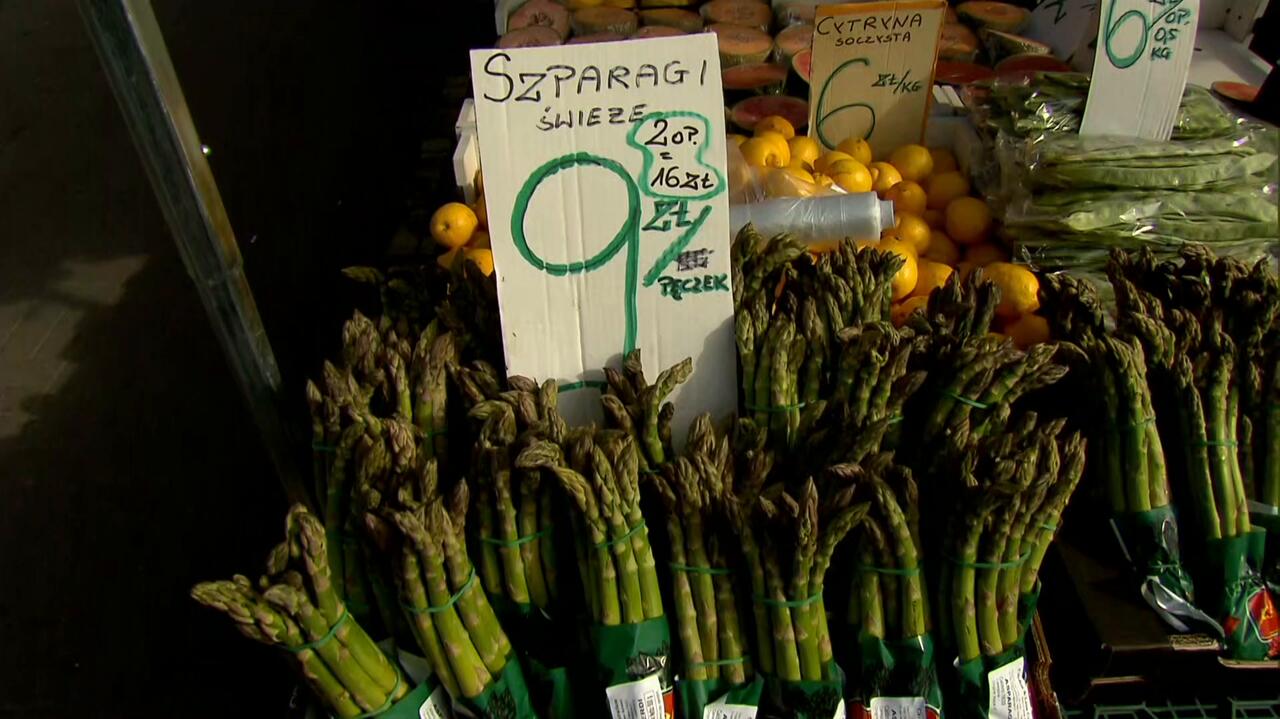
{"x":940,"y":227}
{"x":463,"y":230}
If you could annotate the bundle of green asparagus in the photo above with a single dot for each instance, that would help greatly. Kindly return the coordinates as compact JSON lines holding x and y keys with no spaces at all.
{"x":448,"y":610}
{"x":1128,"y":457}
{"x":599,"y":470}
{"x":1012,"y":488}
{"x":295,"y":607}
{"x":694,"y":490}
{"x":640,"y":409}
{"x":887,"y":646}
{"x":788,"y":533}
{"x":1199,"y":320}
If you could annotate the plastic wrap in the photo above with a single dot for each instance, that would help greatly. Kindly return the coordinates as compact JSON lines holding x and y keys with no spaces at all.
{"x":817,"y":220}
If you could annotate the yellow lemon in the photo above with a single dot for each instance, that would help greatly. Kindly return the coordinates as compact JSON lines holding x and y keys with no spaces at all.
{"x":479,"y":241}
{"x":483,"y":258}
{"x":944,"y":187}
{"x":482,"y":211}
{"x":479,"y":182}
{"x":907,"y":197}
{"x":822,"y":180}
{"x":913,"y":161}
{"x":1019,"y":289}
{"x":935,"y":218}
{"x":942,"y":249}
{"x":824,"y":161}
{"x":453,"y":224}
{"x":886,"y":176}
{"x":804,"y":148}
{"x":762,"y":152}
{"x":984,"y":254}
{"x":930,"y":276}
{"x":856,"y":178}
{"x":736,"y":139}
{"x":913,"y":231}
{"x":446,"y":259}
{"x":857,"y":148}
{"x":968,"y":220}
{"x":904,"y":280}
{"x":778,"y":140}
{"x":799,"y":164}
{"x":777,"y":124}
{"x":944,"y":160}
{"x":1028,"y":330}
{"x":901,"y":312}
{"x":789,"y":182}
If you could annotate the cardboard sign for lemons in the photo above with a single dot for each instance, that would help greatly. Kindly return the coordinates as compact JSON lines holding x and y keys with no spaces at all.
{"x":873,"y":72}
{"x":604,"y":176}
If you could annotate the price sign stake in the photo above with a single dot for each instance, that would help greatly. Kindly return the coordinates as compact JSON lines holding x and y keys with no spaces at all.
{"x":1140,"y":69}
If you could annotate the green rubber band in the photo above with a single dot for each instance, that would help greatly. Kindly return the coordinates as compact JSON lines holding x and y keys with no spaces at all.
{"x":777,"y":408}
{"x":714,"y":571}
{"x":387,"y":704}
{"x":965,"y":400}
{"x":471,"y":580}
{"x":719,"y":663}
{"x":429,"y":433}
{"x":518,"y":540}
{"x":790,"y":603}
{"x":1049,"y":527}
{"x":890,"y":570}
{"x":322,"y":447}
{"x":650,"y":472}
{"x":1215,"y":443}
{"x":623,"y":538}
{"x":328,"y":636}
{"x":1014,"y":564}
{"x":895,"y":419}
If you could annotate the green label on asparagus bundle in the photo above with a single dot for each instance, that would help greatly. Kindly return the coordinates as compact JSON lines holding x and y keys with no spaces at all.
{"x":411,"y":706}
{"x":1150,"y":542}
{"x":1250,"y":623}
{"x":899,"y":669}
{"x":804,"y":699}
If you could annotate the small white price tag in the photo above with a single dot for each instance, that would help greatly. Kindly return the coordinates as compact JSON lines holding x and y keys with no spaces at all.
{"x":1009,"y":697}
{"x":718,"y":709}
{"x":898,"y":708}
{"x":1139,"y":72}
{"x":840,"y":711}
{"x":637,"y":700}
{"x":436,"y":706}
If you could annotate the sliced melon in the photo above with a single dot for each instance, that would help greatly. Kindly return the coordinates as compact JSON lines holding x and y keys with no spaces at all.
{"x":593,"y":20}
{"x":1025,"y":64}
{"x":535,"y":36}
{"x":802,"y":63}
{"x":741,"y":45}
{"x":748,"y":112}
{"x":792,"y":40}
{"x":1005,"y":44}
{"x":960,"y":73}
{"x":795,"y":13}
{"x":658,"y":31}
{"x":993,"y":15}
{"x":540,"y":13}
{"x":595,"y":37}
{"x":685,"y":20}
{"x":765,"y":78}
{"x":747,"y":13}
{"x":957,"y":44}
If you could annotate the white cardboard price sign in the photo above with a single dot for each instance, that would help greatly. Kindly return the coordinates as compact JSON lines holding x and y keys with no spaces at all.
{"x":872,"y":73}
{"x":1061,"y":24}
{"x":604,"y":176}
{"x":1140,"y":70}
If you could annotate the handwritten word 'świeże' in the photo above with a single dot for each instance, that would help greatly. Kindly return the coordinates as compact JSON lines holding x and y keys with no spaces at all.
{"x":676,"y":288}
{"x":870,"y":29}
{"x":559,"y":80}
{"x":590,"y":117}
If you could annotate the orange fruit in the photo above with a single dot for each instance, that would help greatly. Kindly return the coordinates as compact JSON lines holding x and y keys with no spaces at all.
{"x":913,"y":161}
{"x":453,"y":224}
{"x":777,"y":124}
{"x":942,"y":188}
{"x":857,"y":148}
{"x":907,"y":197}
{"x":482,"y":258}
{"x":935,"y":218}
{"x":822,"y":163}
{"x":944,"y":160}
{"x":899,"y":313}
{"x":884,"y":175}
{"x":942,"y":249}
{"x":968,"y":220}
{"x":913,"y":231}
{"x":984,"y":254}
{"x":930,"y":275}
{"x":1019,"y":289}
{"x":1027,"y":330}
